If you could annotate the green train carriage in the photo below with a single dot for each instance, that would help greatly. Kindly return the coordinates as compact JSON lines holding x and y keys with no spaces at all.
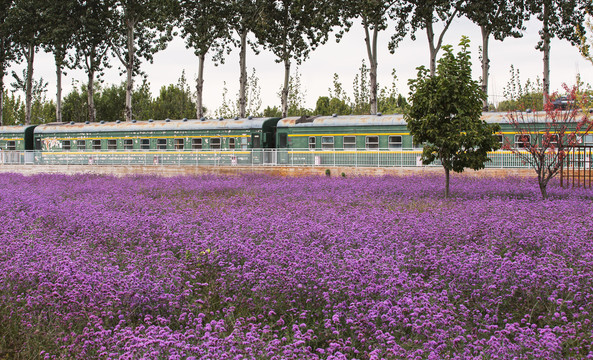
{"x":378,"y":140}
{"x":16,"y":137}
{"x":202,"y":141}
{"x":16,"y":144}
{"x":352,"y":140}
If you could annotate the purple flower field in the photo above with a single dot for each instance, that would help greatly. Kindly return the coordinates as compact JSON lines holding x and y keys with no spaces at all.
{"x":255,"y":267}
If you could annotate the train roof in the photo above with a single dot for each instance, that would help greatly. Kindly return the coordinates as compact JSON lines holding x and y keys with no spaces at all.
{"x":156,"y":125}
{"x":15,"y":129}
{"x":343,"y":120}
{"x":396,"y":119}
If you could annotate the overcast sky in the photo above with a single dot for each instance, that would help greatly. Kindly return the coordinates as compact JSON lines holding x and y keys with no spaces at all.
{"x":344,"y":58}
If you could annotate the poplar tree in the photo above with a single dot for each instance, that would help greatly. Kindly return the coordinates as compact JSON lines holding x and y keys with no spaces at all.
{"x":7,"y":48}
{"x":204,"y":29}
{"x":374,"y":16}
{"x":291,"y":29}
{"x":92,"y":42}
{"x":563,"y":19}
{"x":61,"y":25}
{"x":244,"y":17}
{"x":428,"y":12}
{"x":498,"y":18}
{"x":144,"y":27}
{"x":26,"y":22}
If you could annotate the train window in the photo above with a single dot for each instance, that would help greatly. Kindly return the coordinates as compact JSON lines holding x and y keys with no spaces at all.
{"x":196,"y":144}
{"x":522,"y":140}
{"x":11,"y":145}
{"x":552,"y":140}
{"x":112,"y":144}
{"x":312,"y":142}
{"x":144,"y":144}
{"x":66,"y":145}
{"x":96,"y":144}
{"x":282,"y":140}
{"x":574,"y":139}
{"x":500,"y":140}
{"x":372,"y":142}
{"x":255,"y":141}
{"x":327,"y":142}
{"x":244,"y":143}
{"x":128,"y":144}
{"x":231,"y":143}
{"x":395,"y":142}
{"x":349,"y":142}
{"x":179,"y":144}
{"x":215,"y":143}
{"x":588,"y":140}
{"x":81,"y":144}
{"x":161,"y":144}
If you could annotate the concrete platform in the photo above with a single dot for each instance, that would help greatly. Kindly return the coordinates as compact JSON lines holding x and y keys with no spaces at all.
{"x":171,"y":170}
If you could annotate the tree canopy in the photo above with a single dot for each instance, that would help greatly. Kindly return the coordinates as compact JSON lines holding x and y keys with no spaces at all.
{"x":498,"y":18}
{"x":291,"y":29}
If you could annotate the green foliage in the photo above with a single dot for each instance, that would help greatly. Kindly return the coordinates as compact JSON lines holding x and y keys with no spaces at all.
{"x":338,"y":102}
{"x":361,"y":91}
{"x":60,"y":29}
{"x":74,"y":105}
{"x":174,"y":101}
{"x":389,"y":101}
{"x":291,"y":29}
{"x":327,"y":106}
{"x":272,"y":112}
{"x":586,"y":43}
{"x":229,"y":109}
{"x":501,"y":18}
{"x":42,"y":111}
{"x":296,"y":96}
{"x":445,"y":114}
{"x":522,"y":96}
{"x":563,"y":19}
{"x":110,"y":101}
{"x":8,"y":52}
{"x":204,"y":25}
{"x":13,"y":111}
{"x":142,"y":102}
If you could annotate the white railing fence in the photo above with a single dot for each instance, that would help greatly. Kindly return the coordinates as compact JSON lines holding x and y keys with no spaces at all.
{"x":251,"y":157}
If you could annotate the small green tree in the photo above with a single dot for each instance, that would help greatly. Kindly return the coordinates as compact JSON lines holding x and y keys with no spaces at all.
{"x":522,"y":96}
{"x":445,"y":114}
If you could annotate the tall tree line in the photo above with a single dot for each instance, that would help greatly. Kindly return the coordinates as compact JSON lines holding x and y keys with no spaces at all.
{"x":88,"y":33}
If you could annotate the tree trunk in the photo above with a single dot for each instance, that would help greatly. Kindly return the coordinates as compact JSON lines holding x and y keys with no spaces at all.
{"x":446,"y":183}
{"x":1,"y":98}
{"x":243,"y":77}
{"x":371,"y":45}
{"x":130,"y":71}
{"x":485,"y":65}
{"x":285,"y":89}
{"x":58,"y":91}
{"x":200,"y":87}
{"x":434,"y":49}
{"x":91,"y":98}
{"x":29,"y":84}
{"x":546,"y":51}
{"x":431,"y":48}
{"x":543,"y":185}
